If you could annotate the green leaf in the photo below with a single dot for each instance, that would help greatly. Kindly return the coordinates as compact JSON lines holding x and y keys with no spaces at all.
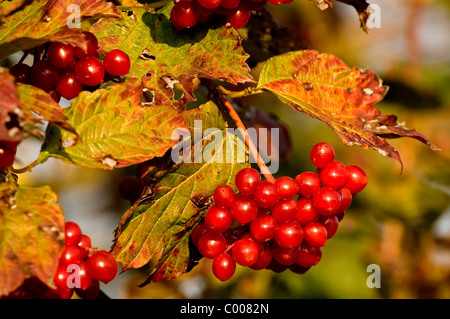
{"x":325,"y":88}
{"x":44,"y":21}
{"x":113,"y":130}
{"x":166,"y":60}
{"x":158,"y":227}
{"x":31,"y":235}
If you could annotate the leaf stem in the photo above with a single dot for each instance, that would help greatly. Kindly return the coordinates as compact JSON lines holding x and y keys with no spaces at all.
{"x":240,"y":125}
{"x":238,"y":94}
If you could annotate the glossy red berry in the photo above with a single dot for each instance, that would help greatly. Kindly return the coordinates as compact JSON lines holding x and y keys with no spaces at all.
{"x":239,"y":17}
{"x":184,"y":14}
{"x":84,"y":245}
{"x":223,"y":196}
{"x":92,"y":46}
{"x":211,"y":244}
{"x":284,"y":256}
{"x":334,"y":175}
{"x":263,"y":228}
{"x":73,"y":233}
{"x":308,"y":183}
{"x":357,"y":179}
{"x":68,"y":86}
{"x":223,"y":267}
{"x":266,"y":194}
{"x":246,"y":180}
{"x":244,"y":209}
{"x":346,"y":197}
{"x":21,"y":73}
{"x":322,"y":154}
{"x":102,"y":266}
{"x":218,"y":219}
{"x":90,"y":71}
{"x":287,"y":187}
{"x":230,"y":4}
{"x":245,"y":252}
{"x":210,"y":3}
{"x":85,"y":279}
{"x":60,"y":55}
{"x":70,"y":255}
{"x":264,"y":258}
{"x":117,"y":62}
{"x":60,"y":278}
{"x":284,"y":211}
{"x":315,"y":234}
{"x":197,"y":232}
{"x":306,"y":213}
{"x":308,"y":255}
{"x":7,"y":153}
{"x":327,"y":201}
{"x":44,"y":75}
{"x":331,"y":224}
{"x":289,"y":235}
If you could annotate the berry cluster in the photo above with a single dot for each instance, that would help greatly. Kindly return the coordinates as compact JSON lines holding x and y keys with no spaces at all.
{"x":65,"y":70}
{"x":88,"y":264}
{"x":280,"y":225}
{"x":8,"y":151}
{"x":187,"y":13}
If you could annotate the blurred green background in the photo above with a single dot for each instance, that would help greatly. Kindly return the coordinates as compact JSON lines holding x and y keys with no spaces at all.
{"x":400,"y":222}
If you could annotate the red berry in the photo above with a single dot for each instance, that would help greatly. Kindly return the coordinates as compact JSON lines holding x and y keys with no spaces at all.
{"x":357,"y":179}
{"x":266,"y":194}
{"x":289,"y":235}
{"x":85,"y":278}
{"x":44,"y":75}
{"x":327,"y":201}
{"x":264,"y":258}
{"x":239,"y":17}
{"x":245,"y":252}
{"x":346,"y":197}
{"x":275,"y":2}
{"x":284,"y":256}
{"x":90,"y":71}
{"x":73,"y":233}
{"x":184,"y":14}
{"x":68,"y":86}
{"x":7,"y":153}
{"x":117,"y":62}
{"x":60,"y":55}
{"x":331,"y":223}
{"x":223,"y":267}
{"x":211,"y":244}
{"x":60,"y":278}
{"x":230,"y":4}
{"x":197,"y":232}
{"x":223,"y":196}
{"x":287,"y":187}
{"x":209,"y":3}
{"x":102,"y":266}
{"x":92,"y":46}
{"x":284,"y":211}
{"x":308,"y":255}
{"x":246,"y":180}
{"x":263,"y":228}
{"x":70,"y":255}
{"x":244,"y":209}
{"x":84,"y":245}
{"x":306,"y":213}
{"x":308,"y":183}
{"x":21,"y":73}
{"x":218,"y":219}
{"x":334,"y":175}
{"x":315,"y":234}
{"x":322,"y":154}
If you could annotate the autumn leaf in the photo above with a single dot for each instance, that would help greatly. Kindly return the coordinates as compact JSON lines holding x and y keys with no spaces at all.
{"x":324,"y":87}
{"x":158,"y":228}
{"x":31,"y":235}
{"x":166,"y":60}
{"x":46,"y":21}
{"x":113,"y":129}
{"x":9,"y":107}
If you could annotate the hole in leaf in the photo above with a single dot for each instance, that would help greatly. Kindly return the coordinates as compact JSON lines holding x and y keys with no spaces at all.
{"x":177,"y":92}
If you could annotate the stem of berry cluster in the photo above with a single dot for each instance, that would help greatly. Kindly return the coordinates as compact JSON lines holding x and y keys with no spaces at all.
{"x":252,"y":148}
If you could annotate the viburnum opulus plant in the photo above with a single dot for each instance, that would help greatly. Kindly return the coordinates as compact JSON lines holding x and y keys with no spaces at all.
{"x":133,"y":76}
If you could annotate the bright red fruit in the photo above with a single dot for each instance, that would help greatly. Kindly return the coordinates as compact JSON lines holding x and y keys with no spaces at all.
{"x":322,"y":154}
{"x":239,"y":17}
{"x":334,"y":175}
{"x":284,"y":256}
{"x":245,"y":252}
{"x":289,"y":235}
{"x":246,"y":180}
{"x":223,"y":196}
{"x":92,"y":46}
{"x":327,"y":201}
{"x":306,"y":213}
{"x":357,"y":179}
{"x":266,"y":194}
{"x":68,"y":86}
{"x":263,"y":228}
{"x":70,"y":255}
{"x":223,"y":267}
{"x":331,"y":224}
{"x":284,"y":211}
{"x":44,"y":75}
{"x":211,"y":244}
{"x":218,"y":219}
{"x":90,"y":71}
{"x":60,"y":55}
{"x":73,"y":233}
{"x":102,"y":266}
{"x":184,"y":14}
{"x":315,"y":234}
{"x":244,"y":209}
{"x":287,"y":187}
{"x":117,"y":62}
{"x":308,"y":183}
{"x":308,"y":255}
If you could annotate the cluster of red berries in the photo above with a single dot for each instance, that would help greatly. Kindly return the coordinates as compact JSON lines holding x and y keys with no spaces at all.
{"x":82,"y":267}
{"x":280,"y":225}
{"x":187,"y":13}
{"x":65,"y":70}
{"x":8,"y":150}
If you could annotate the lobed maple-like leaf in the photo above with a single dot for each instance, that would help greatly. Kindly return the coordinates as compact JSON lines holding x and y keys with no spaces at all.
{"x":164,"y":59}
{"x":43,"y":21}
{"x":113,"y":129}
{"x":9,"y":107}
{"x":322,"y":86}
{"x":158,"y":227}
{"x":31,"y":235}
